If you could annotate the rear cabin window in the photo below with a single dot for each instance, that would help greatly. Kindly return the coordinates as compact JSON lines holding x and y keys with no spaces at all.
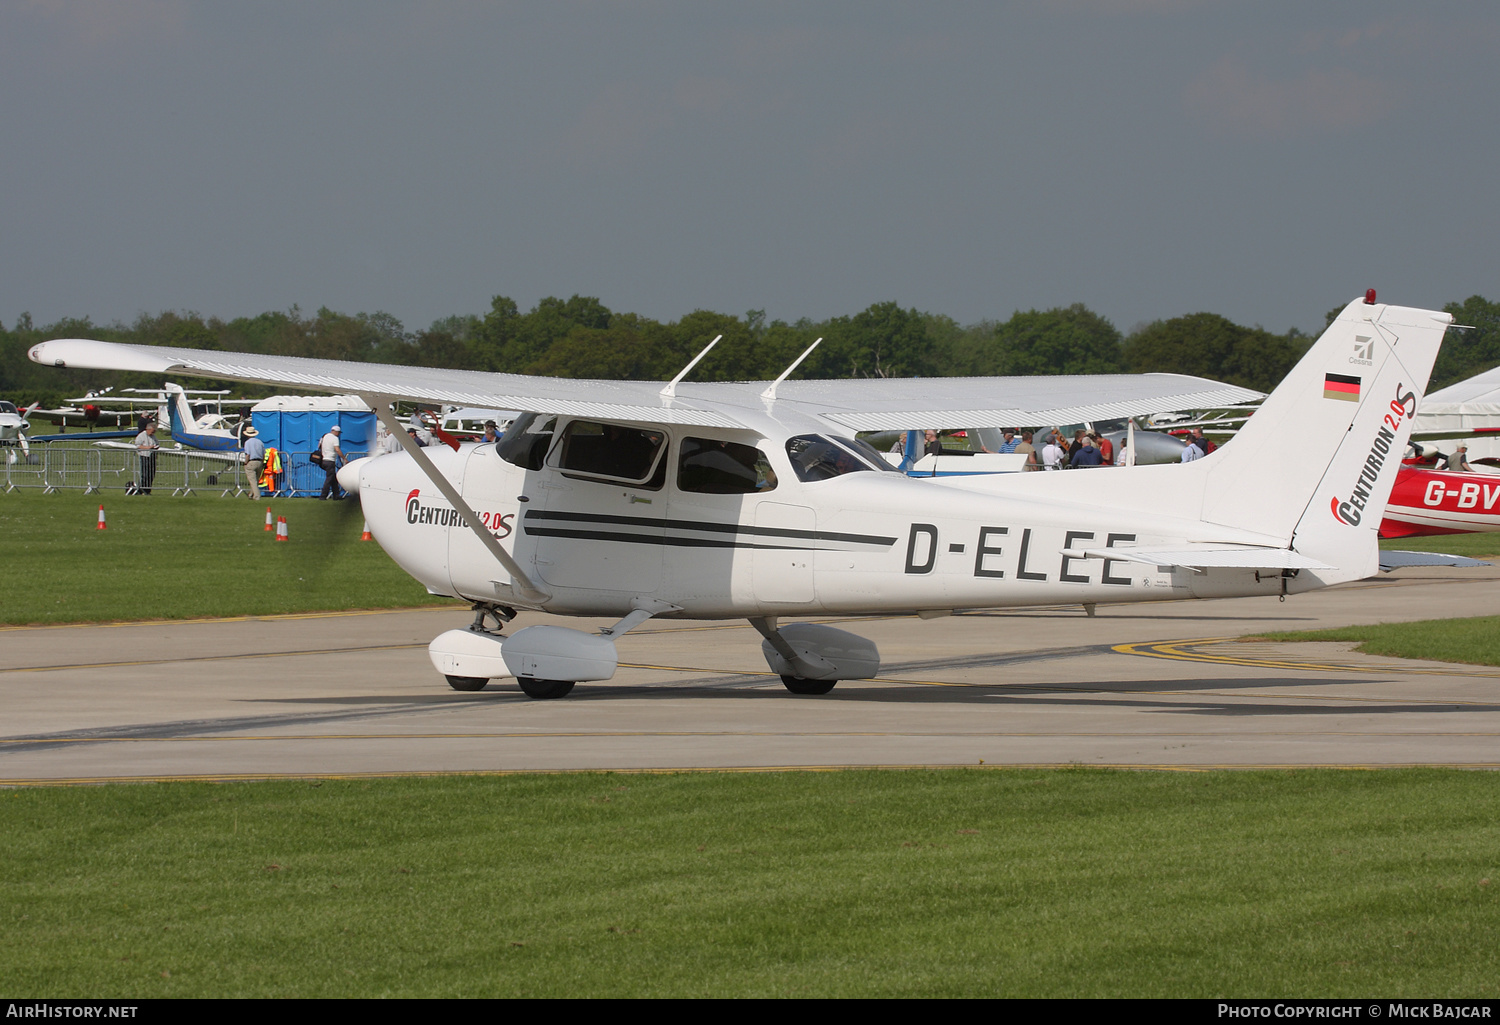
{"x":526,"y":440}
{"x":709,"y":467}
{"x":611,"y":451}
{"x":817,"y":458}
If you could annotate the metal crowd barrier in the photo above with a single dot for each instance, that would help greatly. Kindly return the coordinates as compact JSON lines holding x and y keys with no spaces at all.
{"x":56,"y":466}
{"x":53,"y":466}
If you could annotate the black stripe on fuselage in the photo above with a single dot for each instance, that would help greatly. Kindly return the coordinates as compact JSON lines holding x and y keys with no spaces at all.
{"x":704,"y":526}
{"x":662,"y":539}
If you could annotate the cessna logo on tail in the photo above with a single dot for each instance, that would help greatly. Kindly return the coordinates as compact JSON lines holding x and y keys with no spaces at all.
{"x":1364,"y":351}
{"x":500,"y":524}
{"x":1351,"y":511}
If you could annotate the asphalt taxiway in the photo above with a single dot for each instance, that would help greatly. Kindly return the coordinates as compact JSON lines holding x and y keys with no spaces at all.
{"x":1162,"y":685}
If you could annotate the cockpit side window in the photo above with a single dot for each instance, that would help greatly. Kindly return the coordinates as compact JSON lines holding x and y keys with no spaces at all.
{"x":816,"y":458}
{"x":708,"y":466}
{"x":526,"y":440}
{"x":613,"y":451}
{"x":7,"y":407}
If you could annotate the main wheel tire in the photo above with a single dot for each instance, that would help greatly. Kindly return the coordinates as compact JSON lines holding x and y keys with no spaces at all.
{"x":543,"y":690}
{"x":798,"y":685}
{"x":466,"y":682}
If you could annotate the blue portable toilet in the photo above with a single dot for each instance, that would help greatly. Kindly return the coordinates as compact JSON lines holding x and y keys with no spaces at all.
{"x":294,"y":424}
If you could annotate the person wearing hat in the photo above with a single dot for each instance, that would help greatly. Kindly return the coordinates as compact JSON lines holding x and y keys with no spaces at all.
{"x":1459,"y":460}
{"x":255,"y":460}
{"x":333,"y":456}
{"x":491,"y":431}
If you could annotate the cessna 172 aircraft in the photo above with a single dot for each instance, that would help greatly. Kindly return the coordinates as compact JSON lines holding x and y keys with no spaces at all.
{"x":712,"y":501}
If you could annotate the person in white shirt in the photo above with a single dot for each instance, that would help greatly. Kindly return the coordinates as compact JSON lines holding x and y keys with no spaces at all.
{"x":145,"y":448}
{"x":332,"y":457}
{"x":1053,"y":453}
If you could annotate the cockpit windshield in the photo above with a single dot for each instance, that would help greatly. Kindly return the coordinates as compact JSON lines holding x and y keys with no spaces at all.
{"x":815,"y":457}
{"x":7,"y":407}
{"x":526,"y":440}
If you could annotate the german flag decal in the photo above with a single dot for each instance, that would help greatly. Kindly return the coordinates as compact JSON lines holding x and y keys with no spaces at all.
{"x":1339,"y":386}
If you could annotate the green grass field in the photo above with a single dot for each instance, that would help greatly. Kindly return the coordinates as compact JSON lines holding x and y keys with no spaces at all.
{"x":877,"y":883}
{"x":1475,"y":546}
{"x":173,"y":558}
{"x":1475,"y":641}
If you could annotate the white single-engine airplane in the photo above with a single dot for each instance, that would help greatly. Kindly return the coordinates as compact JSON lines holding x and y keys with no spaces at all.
{"x":14,"y":425}
{"x":712,"y":501}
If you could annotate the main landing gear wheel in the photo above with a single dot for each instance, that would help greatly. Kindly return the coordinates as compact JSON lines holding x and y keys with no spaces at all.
{"x":544,"y":689}
{"x":798,"y":685}
{"x":466,"y":682}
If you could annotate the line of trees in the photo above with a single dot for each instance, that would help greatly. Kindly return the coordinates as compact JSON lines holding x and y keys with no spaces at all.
{"x":581,"y":337}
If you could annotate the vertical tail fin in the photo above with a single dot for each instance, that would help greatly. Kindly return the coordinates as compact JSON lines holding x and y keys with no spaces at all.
{"x":179,"y":413}
{"x":1316,"y":462}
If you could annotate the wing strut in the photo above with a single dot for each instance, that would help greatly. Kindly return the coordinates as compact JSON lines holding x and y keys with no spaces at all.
{"x":382,"y":406}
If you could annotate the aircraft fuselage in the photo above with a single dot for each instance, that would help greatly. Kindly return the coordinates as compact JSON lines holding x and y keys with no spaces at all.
{"x":865,"y":542}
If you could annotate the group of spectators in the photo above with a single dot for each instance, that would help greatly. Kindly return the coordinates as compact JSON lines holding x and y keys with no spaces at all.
{"x":1197,"y":447}
{"x":1048,"y":449}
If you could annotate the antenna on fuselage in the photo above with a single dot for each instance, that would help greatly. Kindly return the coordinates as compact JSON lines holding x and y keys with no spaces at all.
{"x":770,"y":393}
{"x":670,"y":391}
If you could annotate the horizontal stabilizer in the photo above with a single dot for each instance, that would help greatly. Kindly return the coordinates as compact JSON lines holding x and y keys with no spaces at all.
{"x":1396,"y":560}
{"x":1204,"y":556}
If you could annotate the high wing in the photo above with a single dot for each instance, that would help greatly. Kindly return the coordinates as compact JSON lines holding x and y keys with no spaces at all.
{"x":856,"y":405}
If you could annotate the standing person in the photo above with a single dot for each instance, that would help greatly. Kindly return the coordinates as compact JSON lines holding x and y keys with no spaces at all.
{"x":1459,"y":460}
{"x":931,"y":446}
{"x":1106,"y":451}
{"x":1025,"y":448}
{"x":255,"y":460}
{"x":145,"y":450}
{"x":1087,"y":454}
{"x":1010,"y":444}
{"x":1191,"y":451}
{"x":1053,"y":453}
{"x":491,"y":432}
{"x":332,"y":457}
{"x":1204,"y":445}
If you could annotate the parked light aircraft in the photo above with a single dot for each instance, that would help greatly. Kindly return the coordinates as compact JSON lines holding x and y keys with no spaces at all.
{"x":710,"y":501}
{"x":1426,"y":502}
{"x":14,"y":425}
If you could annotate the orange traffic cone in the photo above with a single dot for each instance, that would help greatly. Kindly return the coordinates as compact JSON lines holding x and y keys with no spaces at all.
{"x":363,"y":537}
{"x":101,"y":519}
{"x":268,"y":519}
{"x":281,"y":534}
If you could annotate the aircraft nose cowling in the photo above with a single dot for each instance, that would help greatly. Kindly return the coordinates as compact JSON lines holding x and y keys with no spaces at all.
{"x":348,"y":475}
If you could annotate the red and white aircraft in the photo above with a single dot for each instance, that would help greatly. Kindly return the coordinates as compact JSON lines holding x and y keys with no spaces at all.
{"x":1425,"y":502}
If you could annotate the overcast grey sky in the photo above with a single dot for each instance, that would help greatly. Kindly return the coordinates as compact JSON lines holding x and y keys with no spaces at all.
{"x":1146,"y":157}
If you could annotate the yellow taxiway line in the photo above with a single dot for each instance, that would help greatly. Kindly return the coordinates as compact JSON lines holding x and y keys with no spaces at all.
{"x":1181,"y":651}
